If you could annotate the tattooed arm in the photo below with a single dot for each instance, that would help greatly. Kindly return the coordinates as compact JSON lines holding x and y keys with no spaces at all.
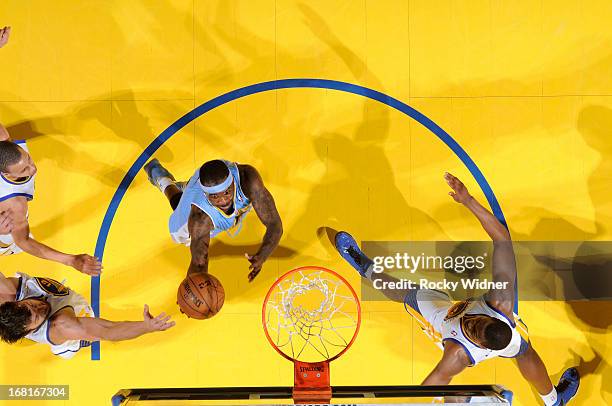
{"x":199,"y":225}
{"x":264,"y":206}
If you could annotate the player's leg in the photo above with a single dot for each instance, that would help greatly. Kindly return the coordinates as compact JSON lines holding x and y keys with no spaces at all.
{"x":534,"y":371}
{"x":161,"y":178}
{"x":428,"y":307}
{"x":350,"y":251}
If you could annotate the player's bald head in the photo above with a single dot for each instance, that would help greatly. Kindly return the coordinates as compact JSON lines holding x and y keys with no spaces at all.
{"x":497,"y":335}
{"x":213,"y":172}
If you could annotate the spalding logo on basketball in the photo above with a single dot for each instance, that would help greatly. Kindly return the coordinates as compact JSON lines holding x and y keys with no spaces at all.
{"x":200,"y":295}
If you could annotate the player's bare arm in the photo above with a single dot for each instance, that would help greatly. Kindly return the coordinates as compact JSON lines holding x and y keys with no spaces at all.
{"x":18,"y":208}
{"x":454,"y":360}
{"x":504,"y":264}
{"x":199,"y":225}
{"x":4,"y":36}
{"x":264,"y":206}
{"x":66,"y":326}
{"x":8,"y":286}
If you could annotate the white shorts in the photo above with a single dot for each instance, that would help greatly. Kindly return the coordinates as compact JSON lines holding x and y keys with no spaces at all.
{"x":429,"y":308}
{"x":8,"y":246}
{"x":433,"y":305}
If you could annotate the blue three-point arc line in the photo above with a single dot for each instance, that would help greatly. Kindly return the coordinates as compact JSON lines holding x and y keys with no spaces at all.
{"x":259,"y":88}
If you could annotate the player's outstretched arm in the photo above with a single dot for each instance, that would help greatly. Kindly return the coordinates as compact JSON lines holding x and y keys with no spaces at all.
{"x":69,"y":327}
{"x":263,"y":203}
{"x":4,"y":36}
{"x":18,"y":208}
{"x":6,"y":287}
{"x":454,"y":360}
{"x":504,"y":263}
{"x":199,"y":225}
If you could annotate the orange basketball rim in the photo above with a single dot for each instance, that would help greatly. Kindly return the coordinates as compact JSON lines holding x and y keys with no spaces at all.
{"x":311,"y":316}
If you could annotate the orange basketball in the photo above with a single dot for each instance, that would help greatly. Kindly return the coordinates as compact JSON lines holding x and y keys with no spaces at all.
{"x":200,"y":296}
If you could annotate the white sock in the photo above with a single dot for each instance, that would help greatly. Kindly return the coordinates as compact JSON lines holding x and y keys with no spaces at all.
{"x":551,"y":398}
{"x":163,"y":183}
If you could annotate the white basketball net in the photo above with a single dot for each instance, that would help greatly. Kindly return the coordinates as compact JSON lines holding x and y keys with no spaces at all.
{"x":311,"y":315}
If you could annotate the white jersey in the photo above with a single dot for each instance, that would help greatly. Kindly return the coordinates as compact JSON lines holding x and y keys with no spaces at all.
{"x":14,"y":188}
{"x":59,"y":297}
{"x":452,"y":330}
{"x":440,"y":318}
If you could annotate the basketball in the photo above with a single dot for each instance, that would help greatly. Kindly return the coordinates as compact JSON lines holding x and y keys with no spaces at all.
{"x":200,"y":296}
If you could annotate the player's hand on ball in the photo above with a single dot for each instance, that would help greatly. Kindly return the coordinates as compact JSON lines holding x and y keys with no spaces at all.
{"x":159,"y":323}
{"x":256,"y":264}
{"x":4,"y":36}
{"x":460,"y":192}
{"x":87,"y":264}
{"x":6,"y":223}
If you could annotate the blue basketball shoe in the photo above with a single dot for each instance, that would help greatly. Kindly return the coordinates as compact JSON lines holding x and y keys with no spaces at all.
{"x":155,"y":171}
{"x":350,"y":251}
{"x":567,"y":386}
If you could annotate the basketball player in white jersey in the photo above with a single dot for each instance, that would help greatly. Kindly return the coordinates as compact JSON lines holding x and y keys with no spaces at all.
{"x":478,"y":329}
{"x":216,"y":199}
{"x":47,"y":312}
{"x":17,"y":176}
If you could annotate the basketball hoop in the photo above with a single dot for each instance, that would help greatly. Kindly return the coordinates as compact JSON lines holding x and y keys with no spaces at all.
{"x":311,"y":316}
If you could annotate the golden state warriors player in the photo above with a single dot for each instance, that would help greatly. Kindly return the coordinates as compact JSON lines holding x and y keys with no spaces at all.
{"x":17,"y":176}
{"x":215,"y":199}
{"x":478,"y":329}
{"x":47,"y":312}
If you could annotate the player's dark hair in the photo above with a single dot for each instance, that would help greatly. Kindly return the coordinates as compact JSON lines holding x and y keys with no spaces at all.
{"x":14,"y":320}
{"x":497,"y":335}
{"x":10,"y":154}
{"x":213,"y":172}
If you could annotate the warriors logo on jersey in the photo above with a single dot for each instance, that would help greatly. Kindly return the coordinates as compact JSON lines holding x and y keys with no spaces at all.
{"x":457,"y":309}
{"x":52,"y":286}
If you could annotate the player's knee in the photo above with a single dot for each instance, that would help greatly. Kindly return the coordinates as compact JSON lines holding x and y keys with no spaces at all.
{"x":526,"y":351}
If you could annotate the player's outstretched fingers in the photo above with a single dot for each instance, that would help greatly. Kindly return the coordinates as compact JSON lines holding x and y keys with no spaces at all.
{"x":253,"y":274}
{"x":451,"y":179}
{"x":162,"y":322}
{"x":86,"y":264}
{"x":4,"y":35}
{"x":166,"y":326}
{"x":94,"y":265}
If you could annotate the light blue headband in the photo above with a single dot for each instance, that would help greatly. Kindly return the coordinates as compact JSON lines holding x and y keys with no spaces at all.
{"x":210,"y":190}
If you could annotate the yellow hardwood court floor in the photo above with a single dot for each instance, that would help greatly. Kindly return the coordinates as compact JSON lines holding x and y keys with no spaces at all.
{"x":523,"y":86}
